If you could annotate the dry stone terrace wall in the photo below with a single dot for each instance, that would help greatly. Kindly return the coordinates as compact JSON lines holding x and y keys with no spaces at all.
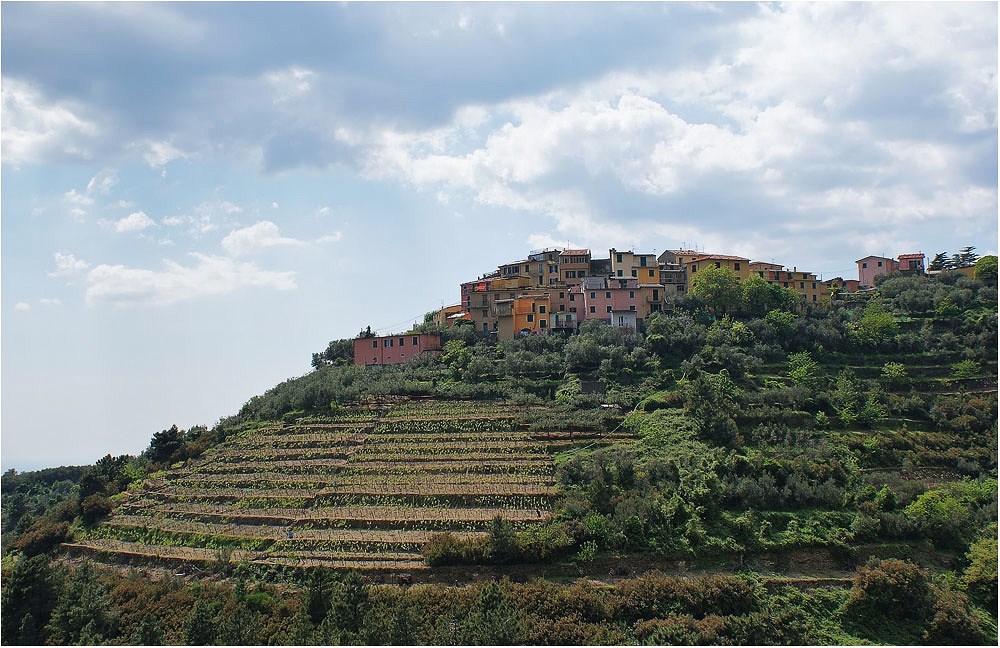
{"x":365,"y":489}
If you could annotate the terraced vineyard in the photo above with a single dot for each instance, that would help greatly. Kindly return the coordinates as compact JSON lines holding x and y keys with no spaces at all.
{"x":363,"y":490}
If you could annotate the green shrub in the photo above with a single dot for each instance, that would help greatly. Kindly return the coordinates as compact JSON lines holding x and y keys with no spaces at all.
{"x":890,"y":588}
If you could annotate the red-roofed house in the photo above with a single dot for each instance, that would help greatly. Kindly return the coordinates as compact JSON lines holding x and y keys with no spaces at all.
{"x":911,"y":263}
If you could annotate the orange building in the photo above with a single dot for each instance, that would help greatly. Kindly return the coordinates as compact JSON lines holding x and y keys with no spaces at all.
{"x":523,"y":315}
{"x":574,"y":265}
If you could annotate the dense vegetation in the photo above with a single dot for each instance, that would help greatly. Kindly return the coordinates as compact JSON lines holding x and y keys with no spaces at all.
{"x":860,"y":436}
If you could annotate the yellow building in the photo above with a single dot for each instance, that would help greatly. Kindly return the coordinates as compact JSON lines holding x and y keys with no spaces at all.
{"x":447,"y":316}
{"x":544,"y":267}
{"x":804,"y":283}
{"x":739,"y":265}
{"x":629,"y":265}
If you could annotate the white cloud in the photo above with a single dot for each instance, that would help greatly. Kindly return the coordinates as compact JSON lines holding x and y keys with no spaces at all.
{"x":260,"y":236}
{"x":786,"y":113}
{"x":67,"y":265}
{"x":158,"y":153}
{"x":330,"y":238}
{"x":102,"y":182}
{"x":50,"y":301}
{"x":205,"y":217}
{"x":35,"y":129}
{"x":289,"y":83}
{"x":22,"y":306}
{"x":78,"y":203}
{"x":209,"y":276}
{"x":134,"y":222}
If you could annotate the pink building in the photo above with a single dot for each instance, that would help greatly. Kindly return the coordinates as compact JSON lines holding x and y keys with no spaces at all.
{"x":621,"y":302}
{"x":874,"y":266}
{"x":394,"y":349}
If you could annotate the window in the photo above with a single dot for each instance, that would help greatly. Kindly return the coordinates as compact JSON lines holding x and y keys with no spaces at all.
{"x":402,"y":341}
{"x":656,"y":295}
{"x":415,"y":338}
{"x":880,"y":264}
{"x":562,"y":307}
{"x":632,"y":308}
{"x":635,"y":273}
{"x":718,"y":264}
{"x":607,"y":295}
{"x":694,"y":267}
{"x":572,"y":297}
{"x":542,"y":324}
{"x":572,"y":309}
{"x":642,"y":261}
{"x":531,"y":318}
{"x":786,"y":284}
{"x":593,"y":295}
{"x":388,"y":344}
{"x":651,"y":273}
{"x":593,"y":310}
{"x":374,"y":344}
{"x":760,"y":273}
{"x":621,"y":274}
{"x":814,"y":297}
{"x":631,"y":294}
{"x":814,"y":285}
{"x":562,"y":295}
{"x":571,"y":274}
{"x":618,"y":258}
{"x":541,"y":309}
{"x":736,"y":265}
{"x":609,"y":309}
{"x":680,"y":288}
{"x":864,"y":265}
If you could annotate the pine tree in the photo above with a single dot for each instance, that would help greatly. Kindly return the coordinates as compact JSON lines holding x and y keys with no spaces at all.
{"x":199,"y":628}
{"x":966,"y":257}
{"x":29,"y":594}
{"x":81,"y":612}
{"x":940,"y":262}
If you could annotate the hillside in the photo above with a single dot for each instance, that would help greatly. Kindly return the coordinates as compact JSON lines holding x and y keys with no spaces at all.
{"x":365,"y":489}
{"x":797,"y":447}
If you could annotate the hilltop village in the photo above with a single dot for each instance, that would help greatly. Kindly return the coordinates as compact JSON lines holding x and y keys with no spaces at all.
{"x":558,"y":289}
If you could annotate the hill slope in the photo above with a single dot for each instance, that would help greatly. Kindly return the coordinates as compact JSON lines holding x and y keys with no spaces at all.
{"x":365,"y":489}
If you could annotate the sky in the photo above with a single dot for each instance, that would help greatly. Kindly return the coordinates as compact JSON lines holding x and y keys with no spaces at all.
{"x":196,"y":197}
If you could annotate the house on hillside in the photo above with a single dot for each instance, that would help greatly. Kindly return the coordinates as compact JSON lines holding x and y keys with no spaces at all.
{"x":394,"y":349}
{"x":911,"y":264}
{"x":873,"y":266}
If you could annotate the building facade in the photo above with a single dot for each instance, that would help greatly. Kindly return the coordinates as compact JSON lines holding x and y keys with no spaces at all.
{"x":394,"y":349}
{"x":870,"y":267}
